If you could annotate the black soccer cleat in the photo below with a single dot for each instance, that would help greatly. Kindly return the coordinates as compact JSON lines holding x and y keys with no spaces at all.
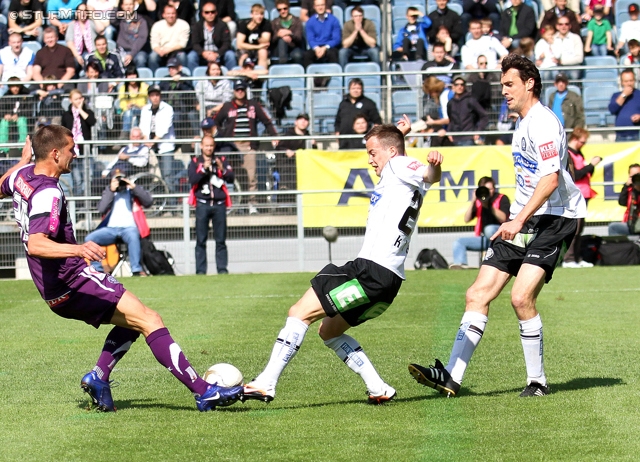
{"x":535,"y":389}
{"x":436,"y":377}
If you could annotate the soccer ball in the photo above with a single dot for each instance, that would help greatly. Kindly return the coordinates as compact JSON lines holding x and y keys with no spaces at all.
{"x":225,"y":375}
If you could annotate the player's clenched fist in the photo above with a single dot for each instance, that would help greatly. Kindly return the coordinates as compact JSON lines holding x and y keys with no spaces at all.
{"x":434,"y":158}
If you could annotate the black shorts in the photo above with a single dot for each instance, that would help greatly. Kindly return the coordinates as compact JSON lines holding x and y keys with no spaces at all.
{"x":358,"y":291}
{"x":553,"y":236}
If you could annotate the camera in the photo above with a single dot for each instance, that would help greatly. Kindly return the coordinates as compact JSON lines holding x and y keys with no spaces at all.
{"x":635,"y":180}
{"x":483,"y":194}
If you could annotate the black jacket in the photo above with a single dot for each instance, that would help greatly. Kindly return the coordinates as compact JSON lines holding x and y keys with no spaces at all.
{"x":466,"y":115}
{"x":85,"y":124}
{"x":449,"y":18}
{"x":201,"y":179}
{"x":221,"y":37}
{"x":21,"y":104}
{"x":525,"y":22}
{"x":180,"y":95}
{"x":348,"y":110}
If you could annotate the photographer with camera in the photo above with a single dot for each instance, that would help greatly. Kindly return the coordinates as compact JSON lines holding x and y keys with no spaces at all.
{"x":491,"y":209}
{"x":121,"y":205}
{"x":629,"y":198}
{"x":208,"y":176}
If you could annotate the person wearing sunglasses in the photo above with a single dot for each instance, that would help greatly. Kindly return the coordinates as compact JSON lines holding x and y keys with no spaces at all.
{"x":287,"y":40}
{"x":210,"y":40}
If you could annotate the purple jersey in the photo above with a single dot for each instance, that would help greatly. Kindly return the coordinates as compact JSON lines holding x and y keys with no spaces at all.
{"x":40,"y":207}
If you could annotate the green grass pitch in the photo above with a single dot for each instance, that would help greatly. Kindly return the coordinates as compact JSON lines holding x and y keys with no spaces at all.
{"x":592,"y":348}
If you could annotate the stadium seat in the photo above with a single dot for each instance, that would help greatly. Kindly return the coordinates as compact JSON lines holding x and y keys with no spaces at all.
{"x":161,"y":72}
{"x":287,"y":69}
{"x":297,"y":107}
{"x":549,"y":90}
{"x":147,"y":74}
{"x":404,"y":102}
{"x":335,"y":84}
{"x":601,"y":75}
{"x":111,"y":45}
{"x":339,"y":14}
{"x":33,"y":46}
{"x":600,"y":61}
{"x":371,"y":82}
{"x":200,"y":71}
{"x":596,"y":105}
{"x":324,"y":108}
{"x":413,"y":80}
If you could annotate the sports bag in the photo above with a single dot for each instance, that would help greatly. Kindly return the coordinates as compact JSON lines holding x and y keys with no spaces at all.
{"x":430,"y":259}
{"x":156,"y":261}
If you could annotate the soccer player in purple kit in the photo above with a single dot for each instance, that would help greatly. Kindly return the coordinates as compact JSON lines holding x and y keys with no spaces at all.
{"x":74,"y":290}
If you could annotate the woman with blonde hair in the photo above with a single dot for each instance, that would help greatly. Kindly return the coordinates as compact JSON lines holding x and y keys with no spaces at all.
{"x":436,"y":97}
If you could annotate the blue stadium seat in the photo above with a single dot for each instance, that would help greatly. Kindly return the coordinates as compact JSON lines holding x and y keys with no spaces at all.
{"x":335,"y":84}
{"x":287,"y":69}
{"x":161,"y":72}
{"x":200,"y":71}
{"x":601,"y":75}
{"x":596,"y":105}
{"x":325,"y":108}
{"x":33,"y":46}
{"x":111,"y":45}
{"x":338,"y":13}
{"x":147,"y":74}
{"x":371,"y":82}
{"x":600,"y":61}
{"x":404,"y":102}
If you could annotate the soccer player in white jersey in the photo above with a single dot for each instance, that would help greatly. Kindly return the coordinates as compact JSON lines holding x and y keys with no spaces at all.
{"x":542,"y":222}
{"x":362,"y":289}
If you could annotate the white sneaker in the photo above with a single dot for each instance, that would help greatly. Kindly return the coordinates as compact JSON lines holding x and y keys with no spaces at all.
{"x":252,"y":209}
{"x":457,"y":266}
{"x":585,"y":264}
{"x":255,"y":390}
{"x":385,"y":396}
{"x":570,"y":264}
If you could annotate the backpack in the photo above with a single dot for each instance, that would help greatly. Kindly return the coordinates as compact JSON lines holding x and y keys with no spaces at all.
{"x":156,"y":261}
{"x":430,"y":259}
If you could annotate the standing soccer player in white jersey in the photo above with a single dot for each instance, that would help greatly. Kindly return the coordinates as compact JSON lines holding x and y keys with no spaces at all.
{"x":530,"y":244}
{"x":363,"y":289}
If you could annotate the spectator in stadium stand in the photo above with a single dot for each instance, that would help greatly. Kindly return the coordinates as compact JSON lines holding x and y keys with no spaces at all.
{"x":148,"y":9}
{"x":181,"y":97}
{"x":560,"y":10}
{"x":568,"y":48}
{"x":109,"y":62}
{"x":211,"y":40}
{"x":169,"y":38}
{"x":80,"y":36}
{"x":286,"y":154}
{"x":307,"y":8}
{"x":212,"y":94}
{"x":516,"y":22}
{"x":157,"y":124}
{"x":79,"y":119}
{"x":360,"y":127}
{"x":465,"y":115}
{"x":599,"y":41}
{"x":239,"y":118}
{"x":582,"y":172}
{"x":254,"y":38}
{"x":287,"y":38}
{"x":184,"y":9}
{"x":479,"y":44}
{"x":132,"y":159}
{"x":592,"y":5}
{"x":353,"y":104}
{"x":625,"y":105}
{"x":16,"y":110}
{"x":101,"y":10}
{"x":324,"y":36}
{"x":411,"y":41}
{"x":208,"y":175}
{"x":132,"y":35}
{"x":132,"y":96}
{"x":630,"y":198}
{"x":251,"y":73}
{"x":629,"y":29}
{"x":49,"y":102}
{"x":441,"y":63}
{"x":54,"y":59}
{"x":60,"y":14}
{"x":359,"y":37}
{"x":435,"y":116}
{"x":16,"y":60}
{"x":443,"y":16}
{"x":27,"y":19}
{"x":566,"y":104}
{"x":226,"y":12}
{"x":450,"y":47}
{"x":475,"y":9}
{"x":481,"y":84}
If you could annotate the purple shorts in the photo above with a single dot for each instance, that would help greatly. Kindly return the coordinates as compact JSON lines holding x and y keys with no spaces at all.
{"x":92,"y":298}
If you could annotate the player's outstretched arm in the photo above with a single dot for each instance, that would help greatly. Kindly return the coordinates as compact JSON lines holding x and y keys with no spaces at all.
{"x":41,"y":246}
{"x":24,"y":160}
{"x":541,"y":194}
{"x":434,"y":170}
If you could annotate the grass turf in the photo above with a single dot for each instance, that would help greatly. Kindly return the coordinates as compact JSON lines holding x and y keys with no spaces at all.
{"x":590,"y":318}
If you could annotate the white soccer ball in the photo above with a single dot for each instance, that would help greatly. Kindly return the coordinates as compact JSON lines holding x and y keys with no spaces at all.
{"x":225,"y":375}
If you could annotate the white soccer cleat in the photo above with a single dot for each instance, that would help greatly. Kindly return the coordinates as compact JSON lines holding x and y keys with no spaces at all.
{"x":385,"y":396}
{"x":254,"y":390}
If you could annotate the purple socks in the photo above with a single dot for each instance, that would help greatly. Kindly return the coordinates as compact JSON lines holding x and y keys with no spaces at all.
{"x":115,"y":347}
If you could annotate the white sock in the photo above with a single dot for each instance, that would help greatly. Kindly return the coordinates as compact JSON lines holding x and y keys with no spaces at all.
{"x":469,"y":335}
{"x":287,"y":345}
{"x":349,"y":350}
{"x":531,"y":337}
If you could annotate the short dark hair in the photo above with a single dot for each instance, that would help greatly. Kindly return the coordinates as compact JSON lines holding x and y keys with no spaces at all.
{"x":356,"y":81}
{"x":633,"y":166}
{"x":360,"y":115}
{"x":357,"y":8}
{"x":486,"y":179}
{"x":388,"y":135}
{"x":526,"y":68}
{"x":48,"y":138}
{"x":438,"y":45}
{"x":628,"y":70}
{"x":100,"y":37}
{"x":95,"y":66}
{"x":630,"y":43}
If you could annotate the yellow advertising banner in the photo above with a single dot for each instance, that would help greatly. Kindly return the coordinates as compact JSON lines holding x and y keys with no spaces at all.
{"x":446,"y":202}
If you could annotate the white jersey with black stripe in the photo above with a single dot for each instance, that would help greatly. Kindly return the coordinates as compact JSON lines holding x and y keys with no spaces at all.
{"x":539,"y":148}
{"x":393,"y":213}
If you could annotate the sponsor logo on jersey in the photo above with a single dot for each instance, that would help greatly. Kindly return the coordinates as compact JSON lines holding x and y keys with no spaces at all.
{"x":54,"y":219}
{"x":533,"y":255}
{"x":415,"y":165}
{"x":523,"y":144}
{"x":23,"y":187}
{"x":375,"y":197}
{"x":520,"y":161}
{"x":548,"y":150}
{"x":56,"y":301}
{"x":489,"y":254}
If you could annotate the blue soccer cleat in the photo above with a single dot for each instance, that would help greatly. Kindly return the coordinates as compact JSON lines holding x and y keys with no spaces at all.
{"x":99,"y":391}
{"x":218,"y":396}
